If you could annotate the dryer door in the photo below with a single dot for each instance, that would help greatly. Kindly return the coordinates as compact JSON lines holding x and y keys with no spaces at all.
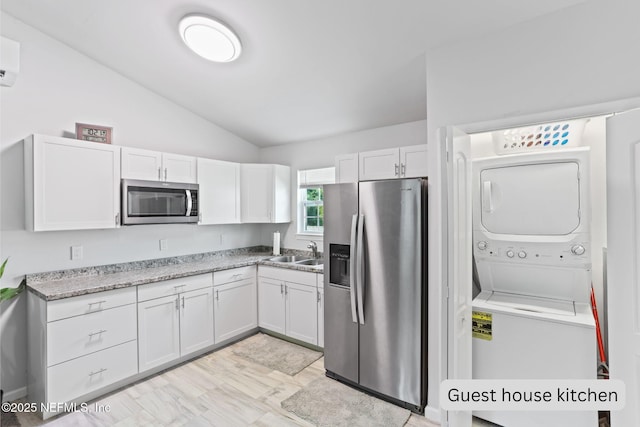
{"x":533,"y":199}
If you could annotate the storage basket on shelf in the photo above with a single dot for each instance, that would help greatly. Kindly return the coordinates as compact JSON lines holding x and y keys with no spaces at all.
{"x":539,"y":137}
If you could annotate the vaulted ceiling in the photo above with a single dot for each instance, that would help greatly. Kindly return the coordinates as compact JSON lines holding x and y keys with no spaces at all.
{"x":309,"y":69}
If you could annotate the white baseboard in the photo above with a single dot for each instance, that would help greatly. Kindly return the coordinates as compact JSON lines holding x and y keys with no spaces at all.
{"x":433,"y":414}
{"x":10,"y":395}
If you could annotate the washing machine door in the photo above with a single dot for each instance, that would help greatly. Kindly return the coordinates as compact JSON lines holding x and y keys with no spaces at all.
{"x":531,"y":199}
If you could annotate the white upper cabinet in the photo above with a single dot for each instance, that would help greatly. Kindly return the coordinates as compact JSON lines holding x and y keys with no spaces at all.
{"x":71,"y":184}
{"x":219,"y":196}
{"x":391,"y":163}
{"x":413,"y":161}
{"x":379,"y":164}
{"x":141,"y":164}
{"x":156,"y":166}
{"x":346,"y":168}
{"x":178,"y":168}
{"x":266,"y":193}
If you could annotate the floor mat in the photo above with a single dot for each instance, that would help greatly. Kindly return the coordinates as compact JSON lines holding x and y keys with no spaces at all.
{"x":276,"y":354}
{"x":326,"y":402}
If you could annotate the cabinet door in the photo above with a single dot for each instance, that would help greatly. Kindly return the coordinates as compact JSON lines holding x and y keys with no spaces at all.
{"x":320,"y":311}
{"x":281,"y":211}
{"x":141,"y":164}
{"x":380,"y":164}
{"x":301,"y":312}
{"x":178,"y":168}
{"x":158,"y":332}
{"x":271,"y":305}
{"x":196,"y":320}
{"x":257,"y":192}
{"x":236,"y":309}
{"x":219,"y":191}
{"x":70,"y":184}
{"x":346,"y":168}
{"x":413,"y":161}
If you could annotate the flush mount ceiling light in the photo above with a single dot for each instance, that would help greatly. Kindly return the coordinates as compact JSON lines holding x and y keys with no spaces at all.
{"x":209,"y":38}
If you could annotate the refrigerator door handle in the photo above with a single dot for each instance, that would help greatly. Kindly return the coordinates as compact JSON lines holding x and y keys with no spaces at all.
{"x":360,"y":270}
{"x":352,"y":268}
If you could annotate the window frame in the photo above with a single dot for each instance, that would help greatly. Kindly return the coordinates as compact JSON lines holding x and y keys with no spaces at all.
{"x":311,"y":179}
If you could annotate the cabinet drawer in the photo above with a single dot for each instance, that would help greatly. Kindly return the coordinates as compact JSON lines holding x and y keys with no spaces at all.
{"x":174,"y":286}
{"x":234,"y":275}
{"x":81,"y":335}
{"x":90,"y":303}
{"x":78,"y":377}
{"x":294,"y":276}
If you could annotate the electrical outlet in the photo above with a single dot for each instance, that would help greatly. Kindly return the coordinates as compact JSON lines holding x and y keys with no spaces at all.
{"x":76,"y":253}
{"x":163,"y":244}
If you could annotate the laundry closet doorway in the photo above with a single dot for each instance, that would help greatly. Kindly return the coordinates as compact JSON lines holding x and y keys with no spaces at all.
{"x":620,"y":233}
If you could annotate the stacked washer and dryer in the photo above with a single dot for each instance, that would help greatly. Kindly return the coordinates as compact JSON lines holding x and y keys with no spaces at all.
{"x":531,"y":235}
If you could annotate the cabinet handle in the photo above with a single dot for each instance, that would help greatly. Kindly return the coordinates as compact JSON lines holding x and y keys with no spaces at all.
{"x":281,"y":289}
{"x":97,"y":372}
{"x":97,"y":333}
{"x":318,"y":292}
{"x":403,"y":169}
{"x":97,"y":302}
{"x":286,"y":290}
{"x":117,"y":219}
{"x":159,"y":173}
{"x":183,"y":303}
{"x":397,"y":168}
{"x":177,"y":288}
{"x":178,"y":303}
{"x":217,"y":295}
{"x":165,"y":174}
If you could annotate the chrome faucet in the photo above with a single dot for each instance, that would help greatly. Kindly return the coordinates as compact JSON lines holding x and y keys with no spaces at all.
{"x":314,"y":248}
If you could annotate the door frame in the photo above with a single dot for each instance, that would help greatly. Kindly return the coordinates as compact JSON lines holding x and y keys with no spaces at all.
{"x":447,"y":291}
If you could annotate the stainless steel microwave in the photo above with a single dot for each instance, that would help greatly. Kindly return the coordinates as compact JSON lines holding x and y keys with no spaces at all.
{"x":156,"y":202}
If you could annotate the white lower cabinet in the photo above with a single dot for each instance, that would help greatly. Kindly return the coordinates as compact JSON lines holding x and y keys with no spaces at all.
{"x":320,"y":310}
{"x":176,"y":325}
{"x":79,"y":345}
{"x":158,"y":331}
{"x":301,"y":312}
{"x":288,"y":303}
{"x":236,"y":309}
{"x":86,"y":374}
{"x":271,"y":304}
{"x":82,"y":346}
{"x":196,"y":320}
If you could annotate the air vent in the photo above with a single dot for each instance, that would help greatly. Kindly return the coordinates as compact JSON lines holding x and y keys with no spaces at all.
{"x":548,"y":136}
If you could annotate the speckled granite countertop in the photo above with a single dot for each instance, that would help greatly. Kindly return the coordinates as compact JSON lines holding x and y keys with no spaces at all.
{"x":56,"y":285}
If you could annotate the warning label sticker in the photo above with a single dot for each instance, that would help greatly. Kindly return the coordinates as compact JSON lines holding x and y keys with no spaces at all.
{"x":481,"y":326}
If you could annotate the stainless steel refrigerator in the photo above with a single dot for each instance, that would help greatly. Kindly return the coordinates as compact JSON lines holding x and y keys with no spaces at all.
{"x":375,"y":288}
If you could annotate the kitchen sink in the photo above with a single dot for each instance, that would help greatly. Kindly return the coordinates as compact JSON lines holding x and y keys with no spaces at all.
{"x":311,"y":262}
{"x":288,"y":258}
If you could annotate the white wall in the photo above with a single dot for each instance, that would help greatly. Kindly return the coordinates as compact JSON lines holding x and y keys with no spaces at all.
{"x":577,"y":57}
{"x":56,"y":88}
{"x":321,"y":153}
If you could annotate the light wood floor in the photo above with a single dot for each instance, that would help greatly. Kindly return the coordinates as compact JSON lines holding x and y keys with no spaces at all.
{"x":219,"y":389}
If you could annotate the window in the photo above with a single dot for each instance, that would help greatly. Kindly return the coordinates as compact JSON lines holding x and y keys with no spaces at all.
{"x":311,"y":199}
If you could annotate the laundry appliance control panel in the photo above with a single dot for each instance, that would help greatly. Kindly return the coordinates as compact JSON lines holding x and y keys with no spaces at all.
{"x":573,"y":253}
